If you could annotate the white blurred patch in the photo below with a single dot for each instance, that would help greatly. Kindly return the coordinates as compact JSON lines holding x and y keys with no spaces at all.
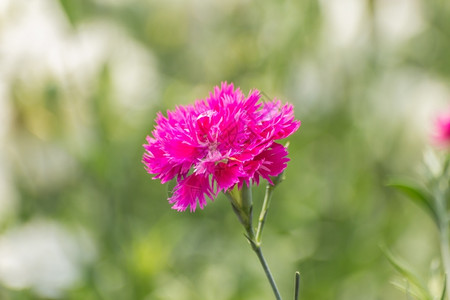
{"x":432,"y":97}
{"x":8,"y":195}
{"x":36,"y":41}
{"x":43,"y":165}
{"x":432,"y":162}
{"x":407,"y":103}
{"x":114,"y":3}
{"x":407,"y":96}
{"x":309,"y":81}
{"x":38,"y":46}
{"x":133,"y":68}
{"x":346,"y":20}
{"x":32,"y":36}
{"x":398,"y":20}
{"x":43,"y":256}
{"x":343,"y":21}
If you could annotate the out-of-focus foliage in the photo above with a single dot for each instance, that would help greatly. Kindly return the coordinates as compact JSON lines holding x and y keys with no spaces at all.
{"x":82,"y":80}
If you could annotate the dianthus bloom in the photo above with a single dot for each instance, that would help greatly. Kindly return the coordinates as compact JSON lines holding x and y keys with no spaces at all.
{"x":442,"y":130}
{"x":224,"y":140}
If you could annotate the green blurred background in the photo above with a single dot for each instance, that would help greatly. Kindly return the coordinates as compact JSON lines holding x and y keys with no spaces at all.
{"x":81,"y":82}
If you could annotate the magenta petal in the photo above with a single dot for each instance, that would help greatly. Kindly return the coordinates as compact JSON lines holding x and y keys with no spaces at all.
{"x":189,"y":191}
{"x":156,"y":162}
{"x":279,"y":120}
{"x":226,"y":175}
{"x":222,"y":140}
{"x":181,"y":150}
{"x":442,"y":134}
{"x":273,"y":162}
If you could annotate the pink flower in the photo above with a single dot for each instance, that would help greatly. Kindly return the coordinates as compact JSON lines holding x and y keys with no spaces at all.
{"x":442,"y":134}
{"x":224,"y":140}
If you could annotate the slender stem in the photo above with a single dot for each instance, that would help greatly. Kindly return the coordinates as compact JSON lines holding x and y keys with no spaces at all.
{"x":247,"y":207}
{"x":441,"y":208}
{"x":445,"y":252}
{"x":441,"y":190}
{"x":242,"y":206}
{"x":446,"y":260}
{"x":256,"y":246}
{"x":264,"y":210}
{"x":267,"y":271}
{"x":297,"y":285}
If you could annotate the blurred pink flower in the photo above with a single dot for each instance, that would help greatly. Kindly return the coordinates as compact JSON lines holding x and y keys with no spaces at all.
{"x":442,"y":130}
{"x":224,"y":140}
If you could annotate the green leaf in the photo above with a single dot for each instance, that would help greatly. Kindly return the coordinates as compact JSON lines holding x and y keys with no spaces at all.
{"x":418,"y":195}
{"x":419,"y":288}
{"x":75,"y":10}
{"x":444,"y":288}
{"x":405,"y":289}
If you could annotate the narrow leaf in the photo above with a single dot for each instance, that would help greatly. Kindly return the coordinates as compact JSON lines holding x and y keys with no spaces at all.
{"x":409,"y":275}
{"x":444,"y":288}
{"x":405,"y":289}
{"x":418,"y":195}
{"x":71,"y":10}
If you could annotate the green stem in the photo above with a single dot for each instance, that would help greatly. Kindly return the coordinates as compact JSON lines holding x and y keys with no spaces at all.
{"x":445,"y":252}
{"x":265,"y":266}
{"x":441,"y":208}
{"x":297,"y":285}
{"x":264,"y":210}
{"x":255,"y":240}
{"x":242,"y":206}
{"x":445,"y":249}
{"x":257,"y":248}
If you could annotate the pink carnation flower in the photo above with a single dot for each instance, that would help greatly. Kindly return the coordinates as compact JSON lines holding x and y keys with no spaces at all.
{"x":224,"y":140}
{"x":442,"y":134}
